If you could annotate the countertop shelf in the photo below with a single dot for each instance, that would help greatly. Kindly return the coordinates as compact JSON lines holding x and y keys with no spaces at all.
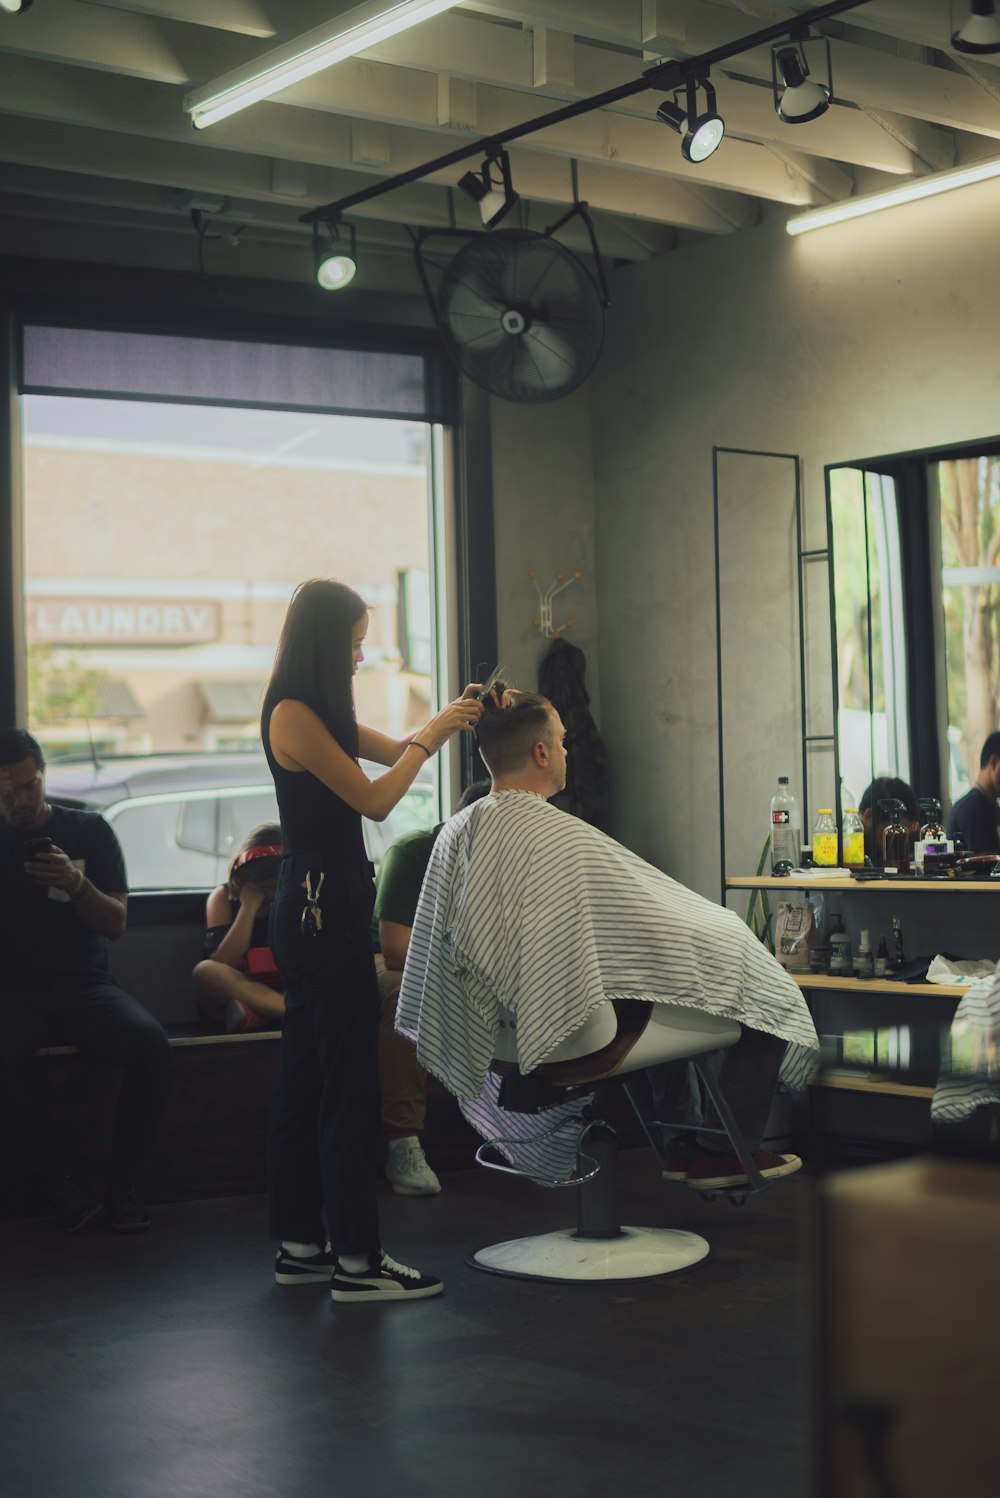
{"x":872,"y":1085}
{"x":880,"y":985}
{"x":900,"y":886}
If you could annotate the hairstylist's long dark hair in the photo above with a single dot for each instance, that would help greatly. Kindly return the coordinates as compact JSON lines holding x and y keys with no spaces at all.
{"x":313,"y":660}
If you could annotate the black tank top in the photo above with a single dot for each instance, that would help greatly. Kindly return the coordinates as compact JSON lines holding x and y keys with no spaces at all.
{"x":312,"y":816}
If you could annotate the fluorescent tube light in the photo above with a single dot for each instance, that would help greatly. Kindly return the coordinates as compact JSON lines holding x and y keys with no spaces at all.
{"x":354,"y":31}
{"x":908,"y":192}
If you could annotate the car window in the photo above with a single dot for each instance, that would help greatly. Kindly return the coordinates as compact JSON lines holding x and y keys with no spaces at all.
{"x":185,"y":840}
{"x":240,"y":813}
{"x":196,"y":825}
{"x":154,"y":858}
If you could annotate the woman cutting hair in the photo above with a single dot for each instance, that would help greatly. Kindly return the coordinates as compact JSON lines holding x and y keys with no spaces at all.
{"x":325,"y":1129}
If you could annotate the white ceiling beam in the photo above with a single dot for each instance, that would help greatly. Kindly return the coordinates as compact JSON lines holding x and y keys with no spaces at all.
{"x":110,"y":41}
{"x":830,"y":181}
{"x":622,"y":23}
{"x":140,"y":136}
{"x":50,"y":190}
{"x":117,"y":41}
{"x":468,"y":51}
{"x":371,"y":144}
{"x":987,"y":77}
{"x":457,"y":104}
{"x":861,"y":74}
{"x":931,"y":147}
{"x":553,"y":60}
{"x":248,"y":17}
{"x":45,"y":91}
{"x":613,"y":191}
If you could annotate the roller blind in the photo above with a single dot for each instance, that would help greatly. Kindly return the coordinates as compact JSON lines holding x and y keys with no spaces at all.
{"x":231,"y":371}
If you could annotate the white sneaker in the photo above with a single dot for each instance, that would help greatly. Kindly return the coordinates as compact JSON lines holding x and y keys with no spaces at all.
{"x":409,"y":1174}
{"x":383,"y":1280}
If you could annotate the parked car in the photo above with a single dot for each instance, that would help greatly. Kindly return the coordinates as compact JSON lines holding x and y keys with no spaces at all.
{"x":179,"y":816}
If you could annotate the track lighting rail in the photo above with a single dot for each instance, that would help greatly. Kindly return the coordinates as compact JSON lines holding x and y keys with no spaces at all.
{"x":665,"y":76}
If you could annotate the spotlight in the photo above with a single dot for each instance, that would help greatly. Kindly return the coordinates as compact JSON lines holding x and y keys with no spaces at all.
{"x":15,"y":7}
{"x":981,"y":32}
{"x":702,"y":133}
{"x":335,"y":267}
{"x":495,"y":197}
{"x":796,"y":98}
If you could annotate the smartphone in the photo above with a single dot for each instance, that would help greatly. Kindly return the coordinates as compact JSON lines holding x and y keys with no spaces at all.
{"x":35,"y":845}
{"x":490,"y":683}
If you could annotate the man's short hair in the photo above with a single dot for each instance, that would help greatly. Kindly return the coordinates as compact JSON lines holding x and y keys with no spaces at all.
{"x":16,"y":744}
{"x":889,"y":788}
{"x":508,"y":734}
{"x":990,"y":749}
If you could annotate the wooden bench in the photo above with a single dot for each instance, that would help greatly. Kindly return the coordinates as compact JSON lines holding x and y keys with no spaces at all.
{"x":212,"y":1141}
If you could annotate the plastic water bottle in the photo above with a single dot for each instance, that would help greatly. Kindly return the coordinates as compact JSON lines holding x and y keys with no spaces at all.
{"x":786,"y":826}
{"x":852,"y":839}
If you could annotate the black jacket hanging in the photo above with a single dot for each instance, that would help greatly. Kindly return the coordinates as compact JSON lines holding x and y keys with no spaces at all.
{"x":561,"y":678}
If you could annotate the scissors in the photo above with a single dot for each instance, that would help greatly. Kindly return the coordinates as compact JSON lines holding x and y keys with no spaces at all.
{"x":491,"y":682}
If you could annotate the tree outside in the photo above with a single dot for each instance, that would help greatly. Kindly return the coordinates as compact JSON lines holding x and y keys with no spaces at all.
{"x":970,"y":538}
{"x":59,"y":689}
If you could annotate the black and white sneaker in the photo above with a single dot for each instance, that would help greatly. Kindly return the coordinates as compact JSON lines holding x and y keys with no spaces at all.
{"x":73,"y":1207}
{"x":126,"y":1211}
{"x":293,"y":1269}
{"x":383,"y":1280}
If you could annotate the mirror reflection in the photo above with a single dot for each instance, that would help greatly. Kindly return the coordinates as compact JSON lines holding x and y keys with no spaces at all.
{"x":915,"y":574}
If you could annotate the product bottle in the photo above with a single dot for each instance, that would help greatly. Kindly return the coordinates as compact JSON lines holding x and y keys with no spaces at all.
{"x":866,"y":963}
{"x":897,"y":931}
{"x":852,"y":840}
{"x":840,"y":947}
{"x":895,"y":839}
{"x":786,"y":827}
{"x":825,"y":839}
{"x":881,"y":958}
{"x":932,"y":833}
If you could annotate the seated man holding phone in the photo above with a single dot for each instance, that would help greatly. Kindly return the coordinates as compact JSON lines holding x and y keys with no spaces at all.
{"x":64,"y":895}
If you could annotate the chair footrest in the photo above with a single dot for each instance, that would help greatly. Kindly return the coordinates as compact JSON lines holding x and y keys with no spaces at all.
{"x":637,"y":1253}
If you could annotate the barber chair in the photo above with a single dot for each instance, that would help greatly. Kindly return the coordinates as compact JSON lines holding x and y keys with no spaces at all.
{"x":620,"y":1037}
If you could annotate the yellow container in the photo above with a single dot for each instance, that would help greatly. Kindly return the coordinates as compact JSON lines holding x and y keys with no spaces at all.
{"x":854,"y":850}
{"x":825,"y":839}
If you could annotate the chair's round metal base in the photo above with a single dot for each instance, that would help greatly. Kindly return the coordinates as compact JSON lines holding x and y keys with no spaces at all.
{"x":637,"y":1254}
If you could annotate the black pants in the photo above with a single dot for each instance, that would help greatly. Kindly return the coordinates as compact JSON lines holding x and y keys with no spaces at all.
{"x":325,"y":1127}
{"x":104,"y":1023}
{"x":747,"y":1073}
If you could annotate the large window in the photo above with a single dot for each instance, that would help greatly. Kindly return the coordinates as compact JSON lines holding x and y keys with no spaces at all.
{"x":969,"y":499}
{"x":872,"y":722}
{"x":162,"y":544}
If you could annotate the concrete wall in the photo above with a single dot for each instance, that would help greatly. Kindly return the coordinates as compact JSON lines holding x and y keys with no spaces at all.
{"x":543,"y":504}
{"x":876,"y":337}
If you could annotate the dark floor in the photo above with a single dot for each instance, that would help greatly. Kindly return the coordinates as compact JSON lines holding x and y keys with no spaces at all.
{"x":171,"y":1366}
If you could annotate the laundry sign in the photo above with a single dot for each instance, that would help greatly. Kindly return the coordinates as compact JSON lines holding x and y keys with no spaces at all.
{"x":121,"y":621}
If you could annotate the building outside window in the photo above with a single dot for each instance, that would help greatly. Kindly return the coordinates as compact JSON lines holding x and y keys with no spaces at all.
{"x":162,"y":544}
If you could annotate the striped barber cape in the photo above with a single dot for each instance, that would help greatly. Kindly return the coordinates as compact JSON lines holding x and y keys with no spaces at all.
{"x":528,"y":908}
{"x":970,"y":1067}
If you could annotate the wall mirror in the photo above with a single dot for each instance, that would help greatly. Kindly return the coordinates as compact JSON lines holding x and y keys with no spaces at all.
{"x":915,"y":570}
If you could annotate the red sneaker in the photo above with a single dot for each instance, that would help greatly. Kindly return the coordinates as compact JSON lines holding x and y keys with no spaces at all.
{"x":676,"y":1158}
{"x":708,"y":1172}
{"x":240,"y":1018}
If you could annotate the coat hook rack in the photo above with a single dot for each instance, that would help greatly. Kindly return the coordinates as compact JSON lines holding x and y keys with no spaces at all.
{"x":543,"y":621}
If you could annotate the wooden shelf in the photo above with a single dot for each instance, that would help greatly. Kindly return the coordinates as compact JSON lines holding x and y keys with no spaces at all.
{"x":880,"y":985}
{"x":904,"y":886}
{"x":877,"y":1086}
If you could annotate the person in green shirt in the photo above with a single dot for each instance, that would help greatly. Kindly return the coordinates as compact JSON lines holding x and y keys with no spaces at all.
{"x":403,"y":1080}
